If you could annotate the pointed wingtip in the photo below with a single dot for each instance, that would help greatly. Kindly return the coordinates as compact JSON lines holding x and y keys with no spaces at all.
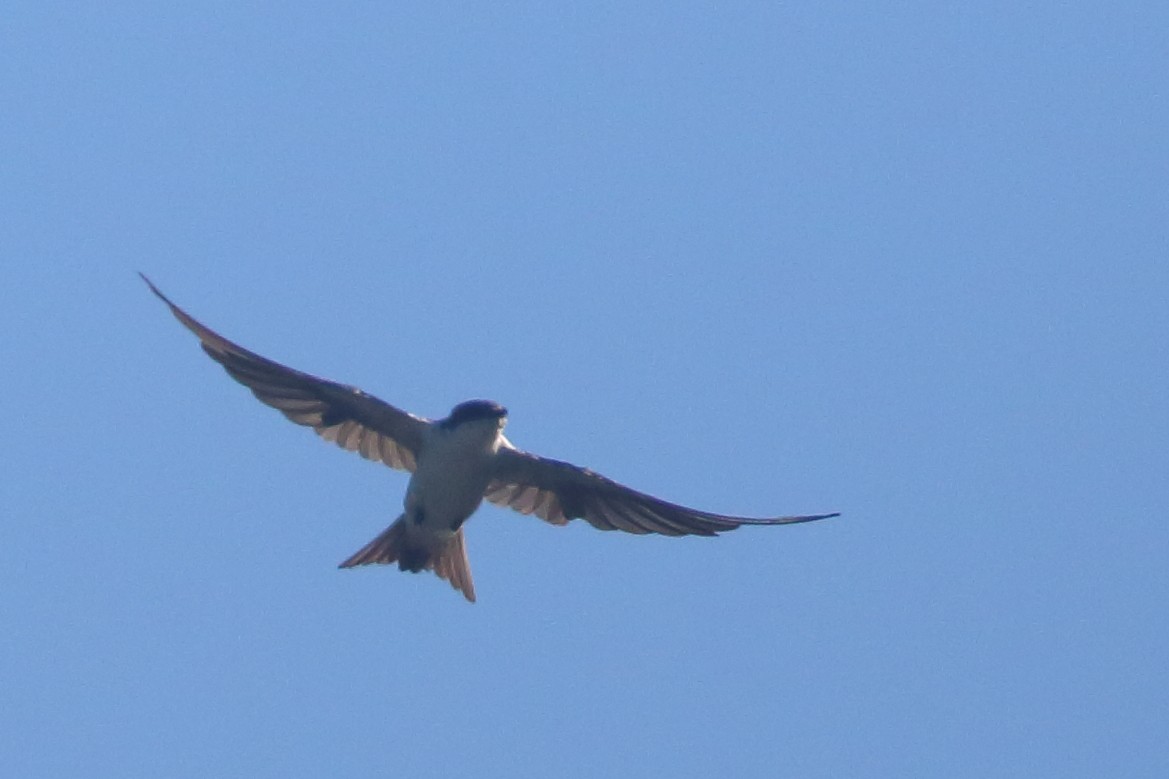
{"x":804,"y":518}
{"x":207,"y":336}
{"x":155,"y":289}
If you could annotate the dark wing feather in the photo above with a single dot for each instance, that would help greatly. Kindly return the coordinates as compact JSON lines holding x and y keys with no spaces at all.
{"x":557,"y":491}
{"x":339,"y":413}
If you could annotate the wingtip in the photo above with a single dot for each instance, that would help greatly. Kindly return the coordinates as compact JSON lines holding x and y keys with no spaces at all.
{"x":806,"y":518}
{"x":186,"y":319}
{"x":155,"y":289}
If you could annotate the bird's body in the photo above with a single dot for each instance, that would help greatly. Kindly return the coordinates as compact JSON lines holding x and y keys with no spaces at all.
{"x":453,"y":472}
{"x":447,"y":486}
{"x":455,"y":463}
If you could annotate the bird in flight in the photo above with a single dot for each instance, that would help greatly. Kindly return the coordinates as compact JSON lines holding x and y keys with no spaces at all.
{"x":455,"y":463}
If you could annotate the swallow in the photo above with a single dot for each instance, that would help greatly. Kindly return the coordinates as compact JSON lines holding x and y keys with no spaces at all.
{"x":455,"y":463}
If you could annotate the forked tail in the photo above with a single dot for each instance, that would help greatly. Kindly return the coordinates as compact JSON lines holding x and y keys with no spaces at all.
{"x":393,"y":546}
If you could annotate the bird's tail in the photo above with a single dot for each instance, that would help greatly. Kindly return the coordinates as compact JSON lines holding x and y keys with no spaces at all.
{"x":448,"y":561}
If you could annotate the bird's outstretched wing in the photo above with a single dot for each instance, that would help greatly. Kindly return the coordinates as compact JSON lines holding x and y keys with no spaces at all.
{"x":557,"y":491}
{"x":345,"y":415}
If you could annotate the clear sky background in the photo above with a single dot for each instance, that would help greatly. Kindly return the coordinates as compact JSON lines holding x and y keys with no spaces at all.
{"x":905,"y":261}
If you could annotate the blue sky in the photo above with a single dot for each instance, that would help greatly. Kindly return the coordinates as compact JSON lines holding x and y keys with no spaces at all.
{"x":905,"y":261}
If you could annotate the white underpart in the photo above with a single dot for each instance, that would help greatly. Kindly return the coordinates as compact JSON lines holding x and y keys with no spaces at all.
{"x":451,"y":475}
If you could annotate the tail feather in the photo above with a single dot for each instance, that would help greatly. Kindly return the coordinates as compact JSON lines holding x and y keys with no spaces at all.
{"x":449,"y":562}
{"x":386,"y":548}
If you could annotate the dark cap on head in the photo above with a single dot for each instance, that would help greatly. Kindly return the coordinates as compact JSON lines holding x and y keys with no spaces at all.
{"x":472,"y":410}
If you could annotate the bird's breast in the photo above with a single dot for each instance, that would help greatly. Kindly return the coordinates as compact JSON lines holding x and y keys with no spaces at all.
{"x":449,"y":481}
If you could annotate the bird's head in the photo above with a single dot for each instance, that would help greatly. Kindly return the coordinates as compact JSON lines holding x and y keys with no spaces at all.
{"x":476,"y":411}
